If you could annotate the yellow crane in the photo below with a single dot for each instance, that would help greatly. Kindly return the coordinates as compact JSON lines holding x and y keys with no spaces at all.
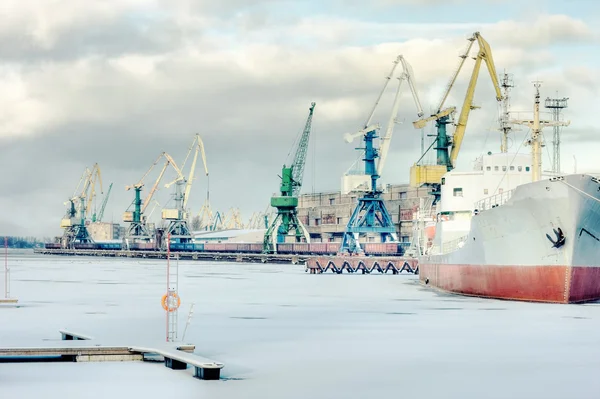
{"x":206,"y":216}
{"x":233,"y":219}
{"x":432,"y":174}
{"x":137,"y":230}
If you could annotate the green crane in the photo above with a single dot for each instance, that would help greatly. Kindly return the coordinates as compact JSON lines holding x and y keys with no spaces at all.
{"x":286,"y":220}
{"x":101,"y":213}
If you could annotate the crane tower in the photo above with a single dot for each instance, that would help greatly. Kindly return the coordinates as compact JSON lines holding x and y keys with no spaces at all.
{"x":138,"y":231}
{"x":286,"y":203}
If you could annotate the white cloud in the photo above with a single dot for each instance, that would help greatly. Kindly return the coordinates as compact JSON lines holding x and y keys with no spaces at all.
{"x":245,"y":86}
{"x":542,"y":31}
{"x":45,"y":21}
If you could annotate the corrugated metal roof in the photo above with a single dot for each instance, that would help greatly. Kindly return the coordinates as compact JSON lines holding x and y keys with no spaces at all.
{"x":225,"y":233}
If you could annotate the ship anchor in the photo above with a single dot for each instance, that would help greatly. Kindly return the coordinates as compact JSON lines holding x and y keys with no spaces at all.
{"x":560,"y":238}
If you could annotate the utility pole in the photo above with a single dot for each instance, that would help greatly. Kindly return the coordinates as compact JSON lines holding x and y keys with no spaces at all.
{"x":506,"y":82}
{"x":556,"y":105}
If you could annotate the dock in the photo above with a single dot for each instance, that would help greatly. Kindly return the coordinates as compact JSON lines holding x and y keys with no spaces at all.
{"x":211,"y":256}
{"x":363,"y":265}
{"x":78,"y":347}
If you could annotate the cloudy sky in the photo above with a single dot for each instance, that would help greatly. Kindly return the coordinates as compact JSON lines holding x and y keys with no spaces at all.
{"x":119,"y":81}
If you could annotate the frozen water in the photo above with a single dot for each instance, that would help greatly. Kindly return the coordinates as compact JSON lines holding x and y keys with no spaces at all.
{"x":283,"y":333}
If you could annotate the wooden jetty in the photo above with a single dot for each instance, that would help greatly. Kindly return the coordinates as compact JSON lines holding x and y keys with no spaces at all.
{"x":82,"y":348}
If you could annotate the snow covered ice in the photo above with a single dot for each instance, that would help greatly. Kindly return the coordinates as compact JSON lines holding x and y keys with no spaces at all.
{"x":283,"y":333}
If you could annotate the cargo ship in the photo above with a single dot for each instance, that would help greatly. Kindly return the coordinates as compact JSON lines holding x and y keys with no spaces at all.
{"x":507,"y":230}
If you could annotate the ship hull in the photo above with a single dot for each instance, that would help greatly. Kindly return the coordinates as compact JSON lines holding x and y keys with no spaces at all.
{"x":510,"y":252}
{"x":548,"y":283}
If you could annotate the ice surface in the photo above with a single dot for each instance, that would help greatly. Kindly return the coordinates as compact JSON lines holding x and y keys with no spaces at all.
{"x":283,"y":333}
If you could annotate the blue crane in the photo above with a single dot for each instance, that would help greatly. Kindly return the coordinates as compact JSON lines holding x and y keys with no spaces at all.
{"x":370,"y":215}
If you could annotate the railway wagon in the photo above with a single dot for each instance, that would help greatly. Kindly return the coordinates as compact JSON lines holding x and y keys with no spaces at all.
{"x":327,"y":248}
{"x":186,"y":247}
{"x":233,"y":247}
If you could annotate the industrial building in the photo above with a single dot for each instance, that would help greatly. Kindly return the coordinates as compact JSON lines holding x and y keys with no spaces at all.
{"x":104,"y":231}
{"x":326,"y":215}
{"x":230,"y":235}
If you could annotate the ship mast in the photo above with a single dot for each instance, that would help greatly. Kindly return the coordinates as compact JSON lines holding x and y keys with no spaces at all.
{"x":536,"y":126}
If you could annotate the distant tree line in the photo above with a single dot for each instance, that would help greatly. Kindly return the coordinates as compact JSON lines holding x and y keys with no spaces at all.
{"x":22,"y":242}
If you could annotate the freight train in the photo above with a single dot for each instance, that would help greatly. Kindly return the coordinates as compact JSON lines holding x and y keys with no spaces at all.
{"x":329,"y":248}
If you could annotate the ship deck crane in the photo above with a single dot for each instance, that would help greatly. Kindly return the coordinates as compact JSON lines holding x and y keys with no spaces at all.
{"x":371,"y":215}
{"x":446,"y":158}
{"x":286,"y":203}
{"x":352,"y":182}
{"x":137,"y":230}
{"x":178,"y":227}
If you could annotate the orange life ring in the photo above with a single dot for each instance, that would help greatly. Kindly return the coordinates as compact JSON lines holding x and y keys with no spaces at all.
{"x":163,"y":302}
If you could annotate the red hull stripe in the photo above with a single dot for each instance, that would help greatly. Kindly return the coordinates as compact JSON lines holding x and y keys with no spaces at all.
{"x":558,"y":284}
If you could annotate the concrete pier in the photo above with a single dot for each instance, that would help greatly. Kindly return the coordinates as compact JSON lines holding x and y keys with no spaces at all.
{"x":364,"y":265}
{"x":78,"y":347}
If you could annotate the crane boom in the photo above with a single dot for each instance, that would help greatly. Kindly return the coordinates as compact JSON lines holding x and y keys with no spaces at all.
{"x":101,"y":213}
{"x":140,"y":183}
{"x":387,"y":81}
{"x":484,"y":54}
{"x":409,"y":75}
{"x":96,"y":175}
{"x":462,"y":57}
{"x":199,"y":146}
{"x":300,"y":158}
{"x":384,"y":145}
{"x":170,"y":161}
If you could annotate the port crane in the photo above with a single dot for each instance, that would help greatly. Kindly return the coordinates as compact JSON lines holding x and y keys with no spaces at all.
{"x":77,"y":211}
{"x":137,"y":230}
{"x":286,"y":203}
{"x":447,"y":148}
{"x":206,"y":216}
{"x":178,"y":227}
{"x":352,"y":182}
{"x":371,"y":215}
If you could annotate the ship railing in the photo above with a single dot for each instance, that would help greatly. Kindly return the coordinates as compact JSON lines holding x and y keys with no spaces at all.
{"x":449,"y":246}
{"x":453,"y":245}
{"x":494,"y":200}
